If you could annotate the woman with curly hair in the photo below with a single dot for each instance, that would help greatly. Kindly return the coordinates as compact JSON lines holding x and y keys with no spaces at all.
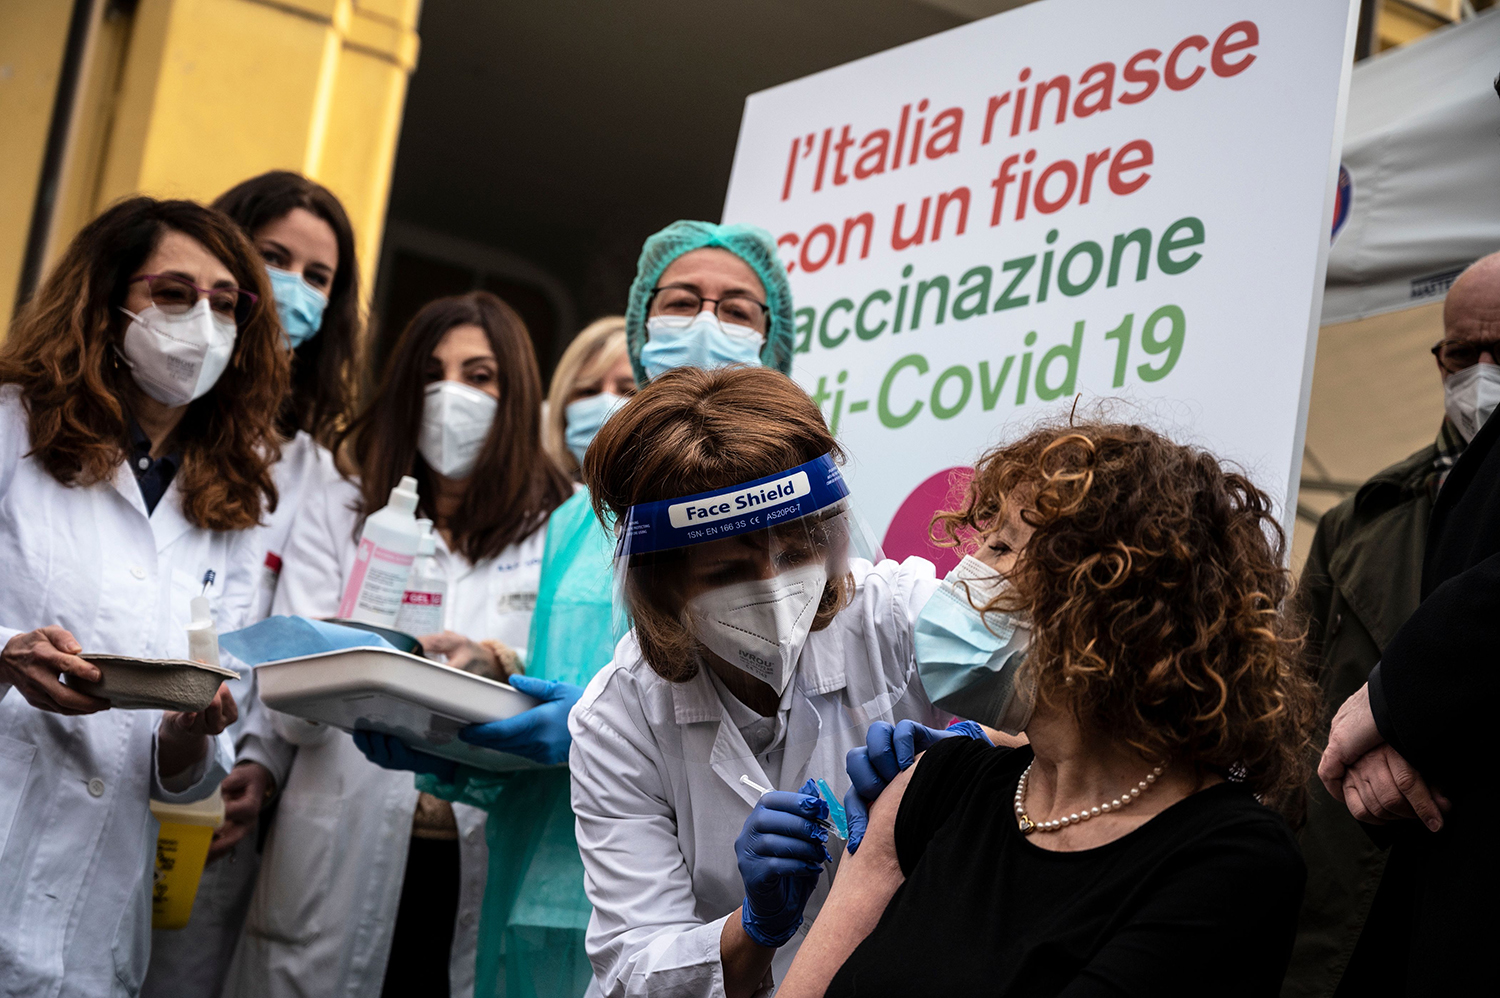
{"x":138,"y":399}
{"x":1134,"y":847}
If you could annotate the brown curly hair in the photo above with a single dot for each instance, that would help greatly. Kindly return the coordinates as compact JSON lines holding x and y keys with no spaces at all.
{"x":1155,"y":584}
{"x":61,"y":354}
{"x":692,"y":431}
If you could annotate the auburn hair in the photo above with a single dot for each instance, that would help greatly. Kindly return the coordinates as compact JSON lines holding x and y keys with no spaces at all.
{"x":322,"y":393}
{"x":690,"y":431}
{"x":62,"y":353}
{"x":514,"y":486}
{"x":1155,"y":583}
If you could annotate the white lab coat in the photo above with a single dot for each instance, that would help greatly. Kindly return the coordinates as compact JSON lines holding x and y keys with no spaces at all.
{"x":77,"y":839}
{"x":193,"y":960}
{"x":656,"y":789}
{"x":324,"y":907}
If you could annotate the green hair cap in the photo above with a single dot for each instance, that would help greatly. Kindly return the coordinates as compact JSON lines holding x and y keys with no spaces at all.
{"x":750,"y":243}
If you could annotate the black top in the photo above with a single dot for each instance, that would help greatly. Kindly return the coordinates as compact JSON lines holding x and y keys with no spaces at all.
{"x":1431,"y":925}
{"x":153,"y":475}
{"x":1200,"y":900}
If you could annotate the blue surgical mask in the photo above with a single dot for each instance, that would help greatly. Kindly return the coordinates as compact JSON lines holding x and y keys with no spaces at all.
{"x":584,"y":418}
{"x":299,"y":304}
{"x":970,"y":662}
{"x":702,"y":342}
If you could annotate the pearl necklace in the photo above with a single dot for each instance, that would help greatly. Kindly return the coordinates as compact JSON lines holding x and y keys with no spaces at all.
{"x":1028,"y":826}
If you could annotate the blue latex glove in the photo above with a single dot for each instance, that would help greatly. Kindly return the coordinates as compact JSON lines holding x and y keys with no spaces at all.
{"x":390,"y":752}
{"x":539,"y":734}
{"x":889,"y":750}
{"x":781,"y":854}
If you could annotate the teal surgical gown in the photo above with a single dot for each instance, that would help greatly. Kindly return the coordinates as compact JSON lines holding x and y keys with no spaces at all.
{"x":535,"y":912}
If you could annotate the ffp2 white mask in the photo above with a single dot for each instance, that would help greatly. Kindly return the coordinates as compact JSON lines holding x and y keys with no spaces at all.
{"x":456,"y":420}
{"x":177,"y":357}
{"x":1470,"y":396}
{"x":760,"y":626}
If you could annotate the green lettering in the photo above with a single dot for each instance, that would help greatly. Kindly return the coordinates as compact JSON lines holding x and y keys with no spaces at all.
{"x":1171,"y":346}
{"x":941,"y":283}
{"x":989,"y":393}
{"x":827,"y":341}
{"x":1022,"y":265}
{"x":966,"y":383}
{"x":860,"y":329}
{"x":805,"y":319}
{"x":883,"y":402}
{"x":1142,"y":240}
{"x":979,"y":294}
{"x":1170,"y":244}
{"x":1096,"y":264}
{"x":1064,"y":352}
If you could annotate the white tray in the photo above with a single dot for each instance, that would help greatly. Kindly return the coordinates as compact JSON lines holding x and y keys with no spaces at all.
{"x":381,"y":689}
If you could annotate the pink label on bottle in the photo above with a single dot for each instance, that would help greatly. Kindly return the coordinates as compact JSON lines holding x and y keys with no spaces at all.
{"x":385,"y":570}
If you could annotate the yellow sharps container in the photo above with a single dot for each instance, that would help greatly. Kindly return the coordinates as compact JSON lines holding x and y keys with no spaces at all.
{"x":181,"y":850}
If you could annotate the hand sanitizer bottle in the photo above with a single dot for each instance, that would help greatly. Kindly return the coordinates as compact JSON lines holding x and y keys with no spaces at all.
{"x":424,"y":602}
{"x":387,"y":547}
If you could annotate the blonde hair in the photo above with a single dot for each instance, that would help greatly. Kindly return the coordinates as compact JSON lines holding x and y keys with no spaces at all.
{"x":593,"y":351}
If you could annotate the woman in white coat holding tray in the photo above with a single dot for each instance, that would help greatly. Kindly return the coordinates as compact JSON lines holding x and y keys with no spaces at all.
{"x":367,"y":886}
{"x":138,"y":398}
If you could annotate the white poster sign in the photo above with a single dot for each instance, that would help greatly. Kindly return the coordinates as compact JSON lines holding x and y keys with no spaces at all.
{"x":1078,"y":197}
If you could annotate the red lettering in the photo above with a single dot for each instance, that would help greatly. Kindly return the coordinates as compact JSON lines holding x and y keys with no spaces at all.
{"x":1103,"y":89}
{"x":1092,"y":162}
{"x":996,"y":103}
{"x":1149,"y":77}
{"x":901,"y":242}
{"x":1045,"y":205}
{"x":959,"y":194}
{"x":826,"y":231}
{"x":1135,"y":155}
{"x":1224,"y":47}
{"x":1175,"y":82}
{"x":1061,"y":85}
{"x":790,"y":239}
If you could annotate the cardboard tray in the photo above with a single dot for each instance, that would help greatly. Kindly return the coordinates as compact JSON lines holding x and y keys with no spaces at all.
{"x":131,"y":683}
{"x":381,"y":689}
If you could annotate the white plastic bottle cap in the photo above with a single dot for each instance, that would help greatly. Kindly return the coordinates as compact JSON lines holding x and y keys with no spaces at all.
{"x":404,"y":495}
{"x":201,"y":615}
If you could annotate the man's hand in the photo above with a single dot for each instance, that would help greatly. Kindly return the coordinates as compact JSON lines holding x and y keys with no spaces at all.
{"x":245,"y":790}
{"x":31,"y":662}
{"x":1381,"y":787}
{"x":1352,"y":734}
{"x":182,"y":738}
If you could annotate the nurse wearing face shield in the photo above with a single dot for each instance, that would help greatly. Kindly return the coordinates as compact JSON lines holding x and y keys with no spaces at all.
{"x":768,"y":636}
{"x":703,"y":295}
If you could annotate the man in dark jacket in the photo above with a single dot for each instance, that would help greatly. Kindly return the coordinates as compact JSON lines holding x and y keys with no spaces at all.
{"x":1423,"y":722}
{"x":1360,"y":583}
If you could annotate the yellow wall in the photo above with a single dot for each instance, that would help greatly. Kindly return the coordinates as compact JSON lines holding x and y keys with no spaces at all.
{"x":33,"y":34}
{"x":185,"y":98}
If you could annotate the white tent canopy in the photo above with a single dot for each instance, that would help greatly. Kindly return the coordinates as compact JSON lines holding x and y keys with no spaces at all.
{"x":1422,"y":149}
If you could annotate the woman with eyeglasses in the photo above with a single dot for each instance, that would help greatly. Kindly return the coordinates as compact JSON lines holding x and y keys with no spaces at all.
{"x":138,"y":398}
{"x":303,"y":234}
{"x":707,"y":296}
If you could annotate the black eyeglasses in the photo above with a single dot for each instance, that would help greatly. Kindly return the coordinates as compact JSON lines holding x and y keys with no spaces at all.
{"x":676,"y":300}
{"x":1455,"y":355}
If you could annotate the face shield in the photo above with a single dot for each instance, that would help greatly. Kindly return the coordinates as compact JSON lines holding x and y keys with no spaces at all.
{"x":743,"y":574}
